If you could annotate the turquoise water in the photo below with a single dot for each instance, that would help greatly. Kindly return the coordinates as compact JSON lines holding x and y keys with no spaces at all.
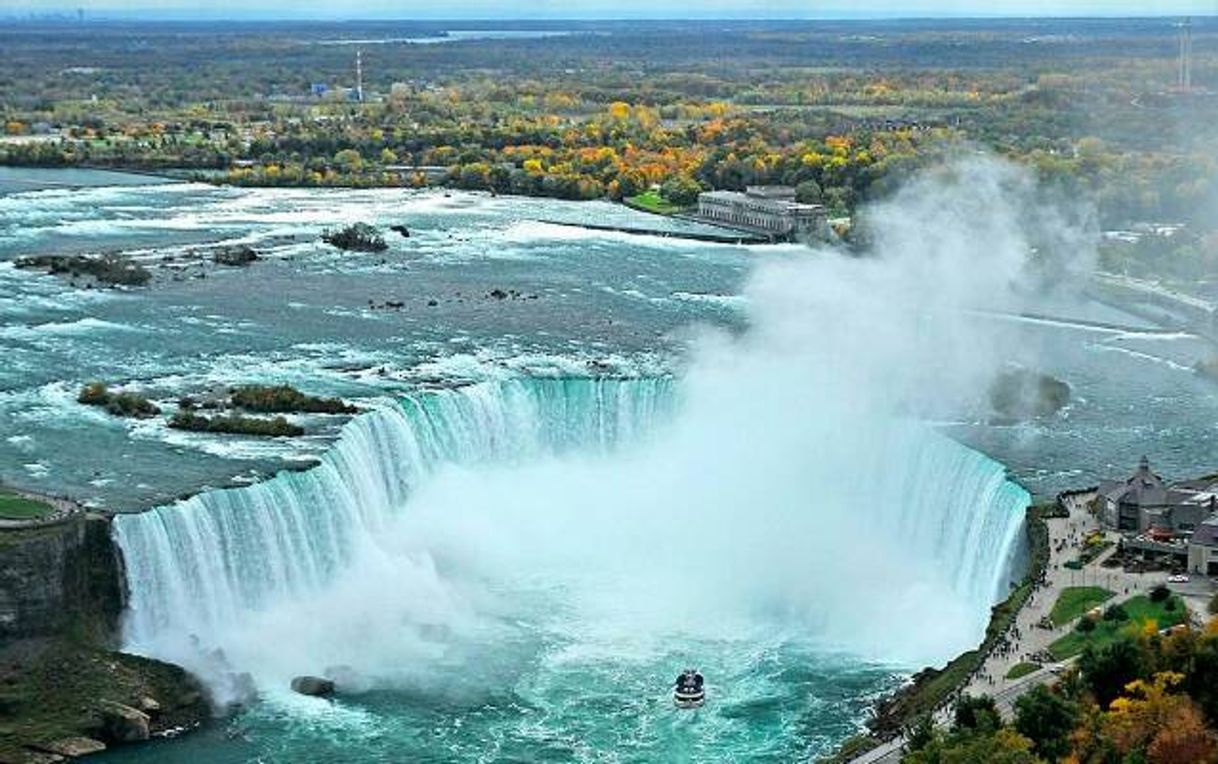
{"x":497,"y":552}
{"x":463,"y":636}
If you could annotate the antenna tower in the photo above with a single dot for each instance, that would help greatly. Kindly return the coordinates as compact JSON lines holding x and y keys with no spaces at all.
{"x":1185,"y":76}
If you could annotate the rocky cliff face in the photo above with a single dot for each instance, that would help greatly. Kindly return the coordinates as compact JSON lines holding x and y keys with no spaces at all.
{"x":64,"y":578}
{"x":64,"y":691}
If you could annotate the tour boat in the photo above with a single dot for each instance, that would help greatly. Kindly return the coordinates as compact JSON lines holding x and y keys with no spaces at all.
{"x":689,"y":692}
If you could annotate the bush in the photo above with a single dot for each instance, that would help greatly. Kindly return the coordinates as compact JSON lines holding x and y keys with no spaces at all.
{"x":94,"y":394}
{"x":1116,"y":613}
{"x":284,"y":399}
{"x":359,"y":237}
{"x":235,"y":425}
{"x":977,"y":713}
{"x":1159,"y":593}
{"x":1085,"y":625}
{"x":131,"y":405}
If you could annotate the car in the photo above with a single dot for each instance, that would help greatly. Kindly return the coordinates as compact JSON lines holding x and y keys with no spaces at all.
{"x":1179,"y":578}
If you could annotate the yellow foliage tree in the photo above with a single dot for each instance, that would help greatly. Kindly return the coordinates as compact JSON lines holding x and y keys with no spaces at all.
{"x":1168,"y":727}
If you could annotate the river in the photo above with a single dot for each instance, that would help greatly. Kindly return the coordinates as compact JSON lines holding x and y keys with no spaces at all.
{"x":587,"y":460}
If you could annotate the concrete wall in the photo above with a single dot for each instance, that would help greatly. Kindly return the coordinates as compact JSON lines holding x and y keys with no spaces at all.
{"x":1200,"y":557}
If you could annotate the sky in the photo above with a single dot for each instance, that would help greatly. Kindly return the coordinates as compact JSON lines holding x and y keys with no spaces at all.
{"x":606,"y":9}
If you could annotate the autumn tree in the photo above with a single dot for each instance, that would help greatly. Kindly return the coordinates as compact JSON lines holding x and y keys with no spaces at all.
{"x":1166,"y":726}
{"x":1004,"y":746}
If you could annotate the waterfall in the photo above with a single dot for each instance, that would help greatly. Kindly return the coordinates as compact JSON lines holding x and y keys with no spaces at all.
{"x":205,"y":565}
{"x":958,"y":508}
{"x":200,"y":563}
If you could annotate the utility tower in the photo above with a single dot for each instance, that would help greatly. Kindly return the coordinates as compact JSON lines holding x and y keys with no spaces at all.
{"x":1185,"y":76}
{"x":359,"y":75}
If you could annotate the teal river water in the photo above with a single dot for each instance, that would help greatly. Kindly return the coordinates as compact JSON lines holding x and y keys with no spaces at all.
{"x":432,"y":555}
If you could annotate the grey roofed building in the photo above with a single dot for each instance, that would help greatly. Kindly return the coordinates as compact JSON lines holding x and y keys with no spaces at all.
{"x":771,"y":210}
{"x":1144,"y":502}
{"x":1203,"y":548}
{"x":1124,"y":500}
{"x":1145,"y":507}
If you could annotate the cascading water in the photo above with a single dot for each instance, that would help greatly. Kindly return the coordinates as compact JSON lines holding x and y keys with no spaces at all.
{"x":202,"y":563}
{"x":500,"y":455}
{"x":512,"y":570}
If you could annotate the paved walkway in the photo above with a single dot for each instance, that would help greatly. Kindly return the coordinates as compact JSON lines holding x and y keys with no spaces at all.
{"x":1027,"y":639}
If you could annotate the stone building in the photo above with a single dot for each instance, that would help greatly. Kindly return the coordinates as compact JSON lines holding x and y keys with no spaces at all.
{"x":770,"y":210}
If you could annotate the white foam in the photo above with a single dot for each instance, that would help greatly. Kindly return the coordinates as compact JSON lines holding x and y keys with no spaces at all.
{"x":88,"y":325}
{"x":1145,"y":357}
{"x":729,"y":301}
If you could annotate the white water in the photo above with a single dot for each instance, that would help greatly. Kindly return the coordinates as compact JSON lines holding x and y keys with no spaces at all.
{"x":446,"y":513}
{"x":783,"y":484}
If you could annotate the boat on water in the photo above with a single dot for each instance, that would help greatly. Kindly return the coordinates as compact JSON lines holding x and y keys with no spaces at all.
{"x":689,"y":691}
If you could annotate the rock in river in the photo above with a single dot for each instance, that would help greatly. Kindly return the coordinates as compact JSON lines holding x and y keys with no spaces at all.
{"x":313,"y":685}
{"x":1018,"y":394}
{"x":124,"y":724}
{"x":235,"y":255}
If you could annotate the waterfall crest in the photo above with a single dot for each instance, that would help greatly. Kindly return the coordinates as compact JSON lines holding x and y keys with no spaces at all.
{"x":201,"y":563}
{"x":206,"y":565}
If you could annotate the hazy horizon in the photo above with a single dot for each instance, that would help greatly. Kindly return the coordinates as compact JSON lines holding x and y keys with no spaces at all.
{"x":603,"y":9}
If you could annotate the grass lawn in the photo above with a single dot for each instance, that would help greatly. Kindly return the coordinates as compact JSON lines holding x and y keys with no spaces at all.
{"x":652,"y":201}
{"x":1140,"y":610}
{"x":14,"y":507}
{"x":1076,"y":600}
{"x":1022,"y":669}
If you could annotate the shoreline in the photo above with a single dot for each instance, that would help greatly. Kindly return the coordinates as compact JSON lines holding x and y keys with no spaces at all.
{"x":931,"y":689}
{"x":1019,"y":626}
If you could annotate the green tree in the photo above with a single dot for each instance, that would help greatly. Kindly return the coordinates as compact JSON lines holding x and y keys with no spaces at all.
{"x":809,"y":192}
{"x":349,"y":160}
{"x":922,"y":734}
{"x":1004,"y":746}
{"x":976,"y":713}
{"x":1046,"y":718}
{"x":1106,"y":670}
{"x":681,"y":190}
{"x":1202,"y":680}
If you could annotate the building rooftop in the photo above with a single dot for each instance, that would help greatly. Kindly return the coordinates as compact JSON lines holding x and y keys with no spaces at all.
{"x":771,"y":192}
{"x":785,"y":203}
{"x":1144,"y":488}
{"x":1207,"y":533}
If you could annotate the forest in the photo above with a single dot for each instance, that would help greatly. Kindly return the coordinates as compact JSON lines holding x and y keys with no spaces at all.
{"x":588,"y":110}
